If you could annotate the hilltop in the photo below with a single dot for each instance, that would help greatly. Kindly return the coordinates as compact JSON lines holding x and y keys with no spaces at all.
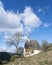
{"x":43,"y":58}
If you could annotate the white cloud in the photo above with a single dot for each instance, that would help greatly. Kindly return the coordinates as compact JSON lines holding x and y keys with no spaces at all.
{"x":25,"y":38}
{"x":30,"y":19}
{"x":11,"y":21}
{"x":47,"y":24}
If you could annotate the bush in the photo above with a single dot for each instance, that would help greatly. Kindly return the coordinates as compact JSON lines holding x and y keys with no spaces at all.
{"x":21,"y":56}
{"x":49,"y":47}
{"x":13,"y":58}
{"x":0,"y":62}
{"x":44,"y":45}
{"x":4,"y":62}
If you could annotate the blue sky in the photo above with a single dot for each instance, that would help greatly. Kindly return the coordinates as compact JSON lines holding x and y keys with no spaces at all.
{"x":29,"y":17}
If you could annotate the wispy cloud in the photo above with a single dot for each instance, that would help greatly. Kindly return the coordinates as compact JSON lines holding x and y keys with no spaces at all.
{"x":47,"y":7}
{"x":40,"y":10}
{"x":5,"y":49}
{"x":47,"y":24}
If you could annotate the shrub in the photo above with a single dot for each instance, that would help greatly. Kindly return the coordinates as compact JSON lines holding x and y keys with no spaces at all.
{"x":21,"y":56}
{"x":13,"y":58}
{"x":0,"y":62}
{"x":49,"y":47}
{"x":44,"y":45}
{"x":4,"y":62}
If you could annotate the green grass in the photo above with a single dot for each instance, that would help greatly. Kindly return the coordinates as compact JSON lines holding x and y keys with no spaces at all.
{"x":43,"y":58}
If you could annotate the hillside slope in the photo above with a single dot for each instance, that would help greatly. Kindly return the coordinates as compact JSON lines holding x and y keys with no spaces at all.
{"x":44,"y":58}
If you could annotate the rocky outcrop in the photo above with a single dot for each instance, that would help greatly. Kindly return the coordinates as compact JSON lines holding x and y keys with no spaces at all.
{"x":33,"y":44}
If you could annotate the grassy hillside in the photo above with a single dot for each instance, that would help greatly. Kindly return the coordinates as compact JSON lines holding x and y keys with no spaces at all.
{"x":43,"y":58}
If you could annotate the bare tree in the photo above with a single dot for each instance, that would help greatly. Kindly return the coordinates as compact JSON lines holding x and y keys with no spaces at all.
{"x":44,"y":45}
{"x":14,"y":40}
